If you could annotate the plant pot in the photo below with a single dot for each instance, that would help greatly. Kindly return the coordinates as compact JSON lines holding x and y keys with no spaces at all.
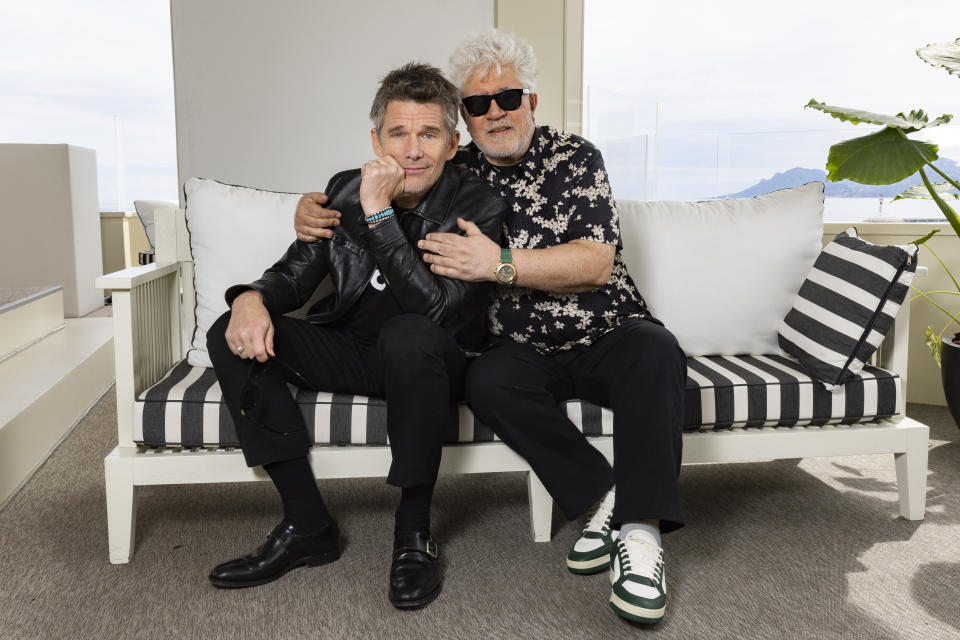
{"x":950,"y":373}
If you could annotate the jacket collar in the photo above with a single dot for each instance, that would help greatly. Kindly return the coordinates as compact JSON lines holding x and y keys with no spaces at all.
{"x":437,"y":203}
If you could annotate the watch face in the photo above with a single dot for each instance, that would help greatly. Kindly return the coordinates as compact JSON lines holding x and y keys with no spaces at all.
{"x":506,"y":273}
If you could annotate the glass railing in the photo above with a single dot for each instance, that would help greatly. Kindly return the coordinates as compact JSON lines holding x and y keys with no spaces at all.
{"x":660,"y":164}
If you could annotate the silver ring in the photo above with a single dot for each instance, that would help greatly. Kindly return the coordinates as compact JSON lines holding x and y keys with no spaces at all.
{"x":239,"y":349}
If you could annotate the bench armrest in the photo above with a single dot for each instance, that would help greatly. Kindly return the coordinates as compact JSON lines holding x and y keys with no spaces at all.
{"x":146,"y":332}
{"x":893,"y":353}
{"x":127,"y":279}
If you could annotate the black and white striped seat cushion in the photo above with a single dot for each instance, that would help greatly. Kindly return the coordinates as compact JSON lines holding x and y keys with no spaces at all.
{"x":774,"y":391}
{"x":185,"y":407}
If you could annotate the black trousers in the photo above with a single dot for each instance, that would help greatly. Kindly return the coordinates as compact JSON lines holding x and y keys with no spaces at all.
{"x":639,"y":371}
{"x":415,"y":365}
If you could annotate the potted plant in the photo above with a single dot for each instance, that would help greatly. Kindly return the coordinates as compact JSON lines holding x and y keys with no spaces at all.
{"x":890,"y":155}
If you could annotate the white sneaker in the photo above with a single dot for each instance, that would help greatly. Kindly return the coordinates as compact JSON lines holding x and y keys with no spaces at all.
{"x":636,"y":572}
{"x":591,"y":552}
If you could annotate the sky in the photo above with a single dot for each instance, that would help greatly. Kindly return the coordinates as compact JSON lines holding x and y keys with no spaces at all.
{"x":724,"y":85}
{"x":721,"y":84}
{"x":70,"y":70}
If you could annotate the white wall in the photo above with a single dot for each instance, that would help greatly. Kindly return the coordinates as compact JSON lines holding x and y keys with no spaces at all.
{"x":555,"y":30}
{"x":51,"y":223}
{"x":276,"y":95}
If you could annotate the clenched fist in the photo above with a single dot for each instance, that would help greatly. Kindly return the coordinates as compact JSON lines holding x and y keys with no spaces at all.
{"x":381,"y":180}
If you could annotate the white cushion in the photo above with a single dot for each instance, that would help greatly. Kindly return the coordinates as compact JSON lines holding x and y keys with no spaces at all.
{"x":722,"y":274}
{"x":235,"y":234}
{"x":145,"y":209}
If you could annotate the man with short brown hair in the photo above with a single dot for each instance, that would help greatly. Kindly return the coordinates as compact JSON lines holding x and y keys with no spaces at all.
{"x":391,"y":329}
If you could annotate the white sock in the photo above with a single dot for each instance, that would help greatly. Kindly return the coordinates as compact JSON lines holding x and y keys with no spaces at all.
{"x":649,"y":529}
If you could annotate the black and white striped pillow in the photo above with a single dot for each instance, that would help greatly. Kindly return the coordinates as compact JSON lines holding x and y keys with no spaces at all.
{"x":846,"y":306}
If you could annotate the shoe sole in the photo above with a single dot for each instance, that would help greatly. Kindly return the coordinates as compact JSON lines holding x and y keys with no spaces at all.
{"x":311,"y":561}
{"x":588,"y":567}
{"x":633,"y":612}
{"x":413,"y":604}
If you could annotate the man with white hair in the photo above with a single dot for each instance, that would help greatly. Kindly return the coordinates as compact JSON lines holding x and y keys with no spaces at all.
{"x":567,"y":322}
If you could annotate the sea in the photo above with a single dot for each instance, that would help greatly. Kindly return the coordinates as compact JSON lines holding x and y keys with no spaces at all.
{"x":880,"y":210}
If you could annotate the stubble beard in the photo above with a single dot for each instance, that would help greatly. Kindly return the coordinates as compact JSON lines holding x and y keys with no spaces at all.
{"x":517,"y":148}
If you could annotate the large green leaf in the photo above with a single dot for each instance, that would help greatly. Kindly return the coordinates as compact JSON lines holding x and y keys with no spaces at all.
{"x":884,"y":157}
{"x":920,"y":192}
{"x":918,"y":120}
{"x":943,"y":55}
{"x":912,"y":121}
{"x":856,"y":116}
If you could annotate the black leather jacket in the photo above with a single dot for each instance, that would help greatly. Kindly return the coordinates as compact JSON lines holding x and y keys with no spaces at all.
{"x":355,"y":251}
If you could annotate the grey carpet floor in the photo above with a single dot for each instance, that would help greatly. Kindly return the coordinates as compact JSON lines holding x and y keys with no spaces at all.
{"x":787,"y":549}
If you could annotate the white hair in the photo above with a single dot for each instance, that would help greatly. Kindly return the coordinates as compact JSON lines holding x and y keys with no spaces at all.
{"x":494,"y":48}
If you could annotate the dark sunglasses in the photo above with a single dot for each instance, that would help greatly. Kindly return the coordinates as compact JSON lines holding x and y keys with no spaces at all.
{"x":508,"y":100}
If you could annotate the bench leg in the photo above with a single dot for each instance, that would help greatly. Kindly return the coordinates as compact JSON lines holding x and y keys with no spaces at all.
{"x":912,"y":474}
{"x":541,"y":509}
{"x":121,"y":506}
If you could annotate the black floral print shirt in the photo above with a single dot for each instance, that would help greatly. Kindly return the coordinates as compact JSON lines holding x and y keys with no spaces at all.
{"x":559,"y":192}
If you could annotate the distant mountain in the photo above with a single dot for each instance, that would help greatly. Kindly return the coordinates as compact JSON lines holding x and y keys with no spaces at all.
{"x":845,"y":188}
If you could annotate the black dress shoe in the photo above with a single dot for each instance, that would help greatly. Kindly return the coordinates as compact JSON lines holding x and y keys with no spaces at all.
{"x":285,"y":549}
{"x":415,"y":572}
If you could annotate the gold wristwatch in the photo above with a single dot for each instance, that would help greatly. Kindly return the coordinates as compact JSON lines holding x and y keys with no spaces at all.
{"x":505,"y":271}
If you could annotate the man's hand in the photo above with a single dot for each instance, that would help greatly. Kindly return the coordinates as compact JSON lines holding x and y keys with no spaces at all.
{"x":250,"y":330}
{"x":472,"y":257}
{"x":381,"y":180}
{"x":312,"y":221}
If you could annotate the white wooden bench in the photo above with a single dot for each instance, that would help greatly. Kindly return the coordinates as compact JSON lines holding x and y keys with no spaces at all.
{"x":154,"y":321}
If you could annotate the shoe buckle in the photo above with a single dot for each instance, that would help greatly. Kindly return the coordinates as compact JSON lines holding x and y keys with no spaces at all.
{"x":432,"y":548}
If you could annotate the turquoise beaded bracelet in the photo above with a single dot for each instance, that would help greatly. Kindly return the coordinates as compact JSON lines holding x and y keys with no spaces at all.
{"x":383,"y":214}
